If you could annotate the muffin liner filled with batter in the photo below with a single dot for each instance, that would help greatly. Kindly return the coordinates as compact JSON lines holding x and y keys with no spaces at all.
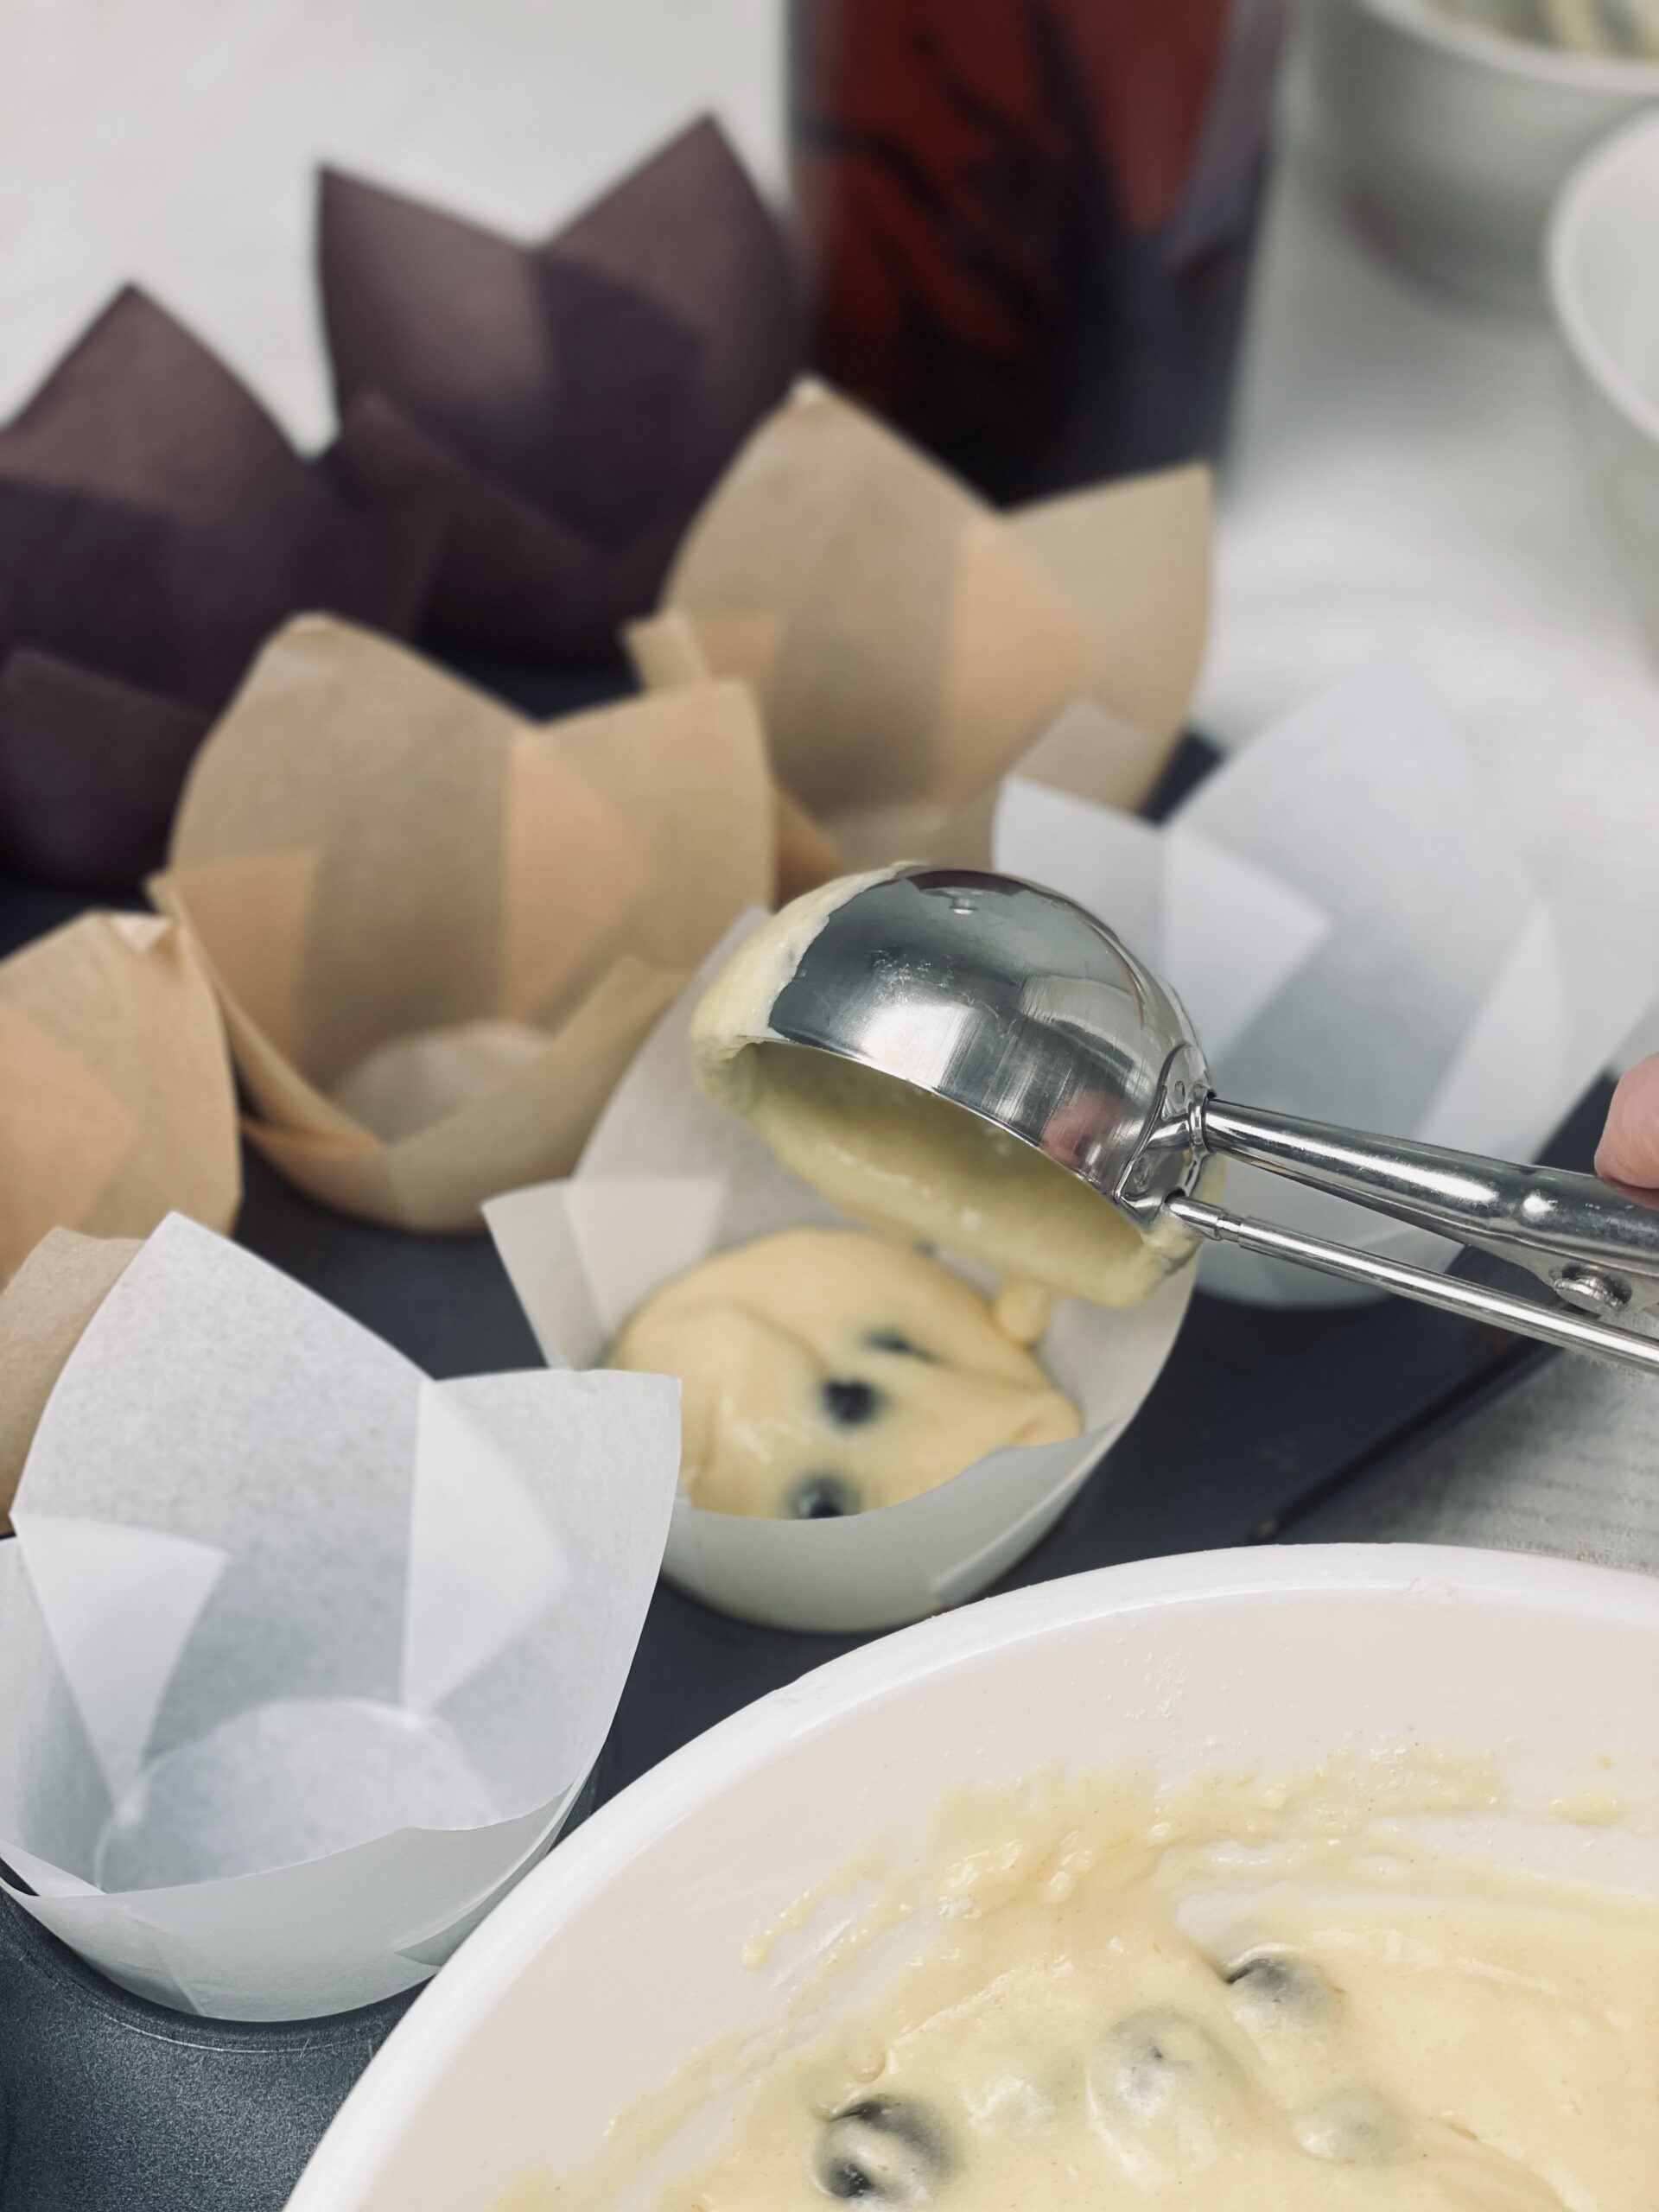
{"x":668,"y":1179}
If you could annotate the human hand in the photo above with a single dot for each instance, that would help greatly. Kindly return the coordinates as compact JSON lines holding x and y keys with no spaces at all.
{"x":1629,"y":1151}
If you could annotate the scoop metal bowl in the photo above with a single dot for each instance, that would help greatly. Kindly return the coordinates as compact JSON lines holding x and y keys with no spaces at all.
{"x":1020,"y":1006}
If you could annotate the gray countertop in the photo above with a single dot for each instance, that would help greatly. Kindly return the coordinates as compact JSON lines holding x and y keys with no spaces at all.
{"x":1565,"y":1462}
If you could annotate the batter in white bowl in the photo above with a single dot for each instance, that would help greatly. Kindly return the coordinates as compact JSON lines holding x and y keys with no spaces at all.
{"x":1243,"y":1999}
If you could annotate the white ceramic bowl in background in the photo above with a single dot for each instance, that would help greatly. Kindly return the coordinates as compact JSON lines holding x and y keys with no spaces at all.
{"x":620,"y":1956}
{"x":1604,"y":286}
{"x":1454,"y":140}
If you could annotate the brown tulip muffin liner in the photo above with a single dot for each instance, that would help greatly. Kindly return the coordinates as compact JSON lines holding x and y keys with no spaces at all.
{"x":117,"y":1104}
{"x":440,"y":930}
{"x":567,"y":406}
{"x":44,"y":1311}
{"x":907,"y":644}
{"x":155,"y":526}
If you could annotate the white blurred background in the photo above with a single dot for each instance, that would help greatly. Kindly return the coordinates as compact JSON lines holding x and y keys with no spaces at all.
{"x":1407,"y":482}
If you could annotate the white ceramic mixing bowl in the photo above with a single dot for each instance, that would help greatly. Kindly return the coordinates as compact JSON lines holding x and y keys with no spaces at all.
{"x":1455,"y":140}
{"x":1604,"y":285}
{"x":621,"y":1955}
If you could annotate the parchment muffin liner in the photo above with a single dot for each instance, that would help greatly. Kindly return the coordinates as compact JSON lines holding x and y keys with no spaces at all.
{"x":585,"y":1251}
{"x":907,"y":644}
{"x":439,"y":932}
{"x":307,"y":1656}
{"x":117,"y":1102}
{"x":1349,"y":918}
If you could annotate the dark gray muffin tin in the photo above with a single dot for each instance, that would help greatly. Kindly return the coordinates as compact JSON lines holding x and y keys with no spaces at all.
{"x":109,"y":2104}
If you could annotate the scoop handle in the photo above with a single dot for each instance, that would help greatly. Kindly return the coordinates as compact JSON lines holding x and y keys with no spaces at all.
{"x":1550,"y":1326}
{"x":1596,"y":1246}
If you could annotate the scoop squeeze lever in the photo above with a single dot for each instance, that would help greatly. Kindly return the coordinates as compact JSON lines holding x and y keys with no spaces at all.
{"x":1020,"y":1007}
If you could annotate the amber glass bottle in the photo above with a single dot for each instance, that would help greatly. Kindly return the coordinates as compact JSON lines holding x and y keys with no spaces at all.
{"x":1027,"y":224}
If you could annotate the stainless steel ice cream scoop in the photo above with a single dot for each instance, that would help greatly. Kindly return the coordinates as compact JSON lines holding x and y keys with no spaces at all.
{"x":1015,"y":1003}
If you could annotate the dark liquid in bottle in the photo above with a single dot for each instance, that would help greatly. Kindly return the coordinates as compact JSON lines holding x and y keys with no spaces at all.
{"x":1027,"y":224}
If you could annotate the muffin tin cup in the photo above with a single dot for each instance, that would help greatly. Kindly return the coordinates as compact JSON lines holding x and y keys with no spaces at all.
{"x":200,"y":2115}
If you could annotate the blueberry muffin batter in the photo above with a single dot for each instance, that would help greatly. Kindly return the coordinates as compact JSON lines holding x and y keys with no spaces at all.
{"x":825,"y":1371}
{"x":1235,"y":2003}
{"x":903,"y":1160}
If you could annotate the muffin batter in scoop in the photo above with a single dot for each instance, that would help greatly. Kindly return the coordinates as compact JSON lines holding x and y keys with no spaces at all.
{"x":899,"y":1157}
{"x":826,"y":1372}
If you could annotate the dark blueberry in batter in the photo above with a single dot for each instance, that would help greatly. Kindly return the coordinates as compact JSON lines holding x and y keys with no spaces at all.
{"x":1269,"y":1974}
{"x":1355,"y":2128}
{"x":1156,"y":2064}
{"x":823,"y":1497}
{"x":883,"y":2151}
{"x":895,"y":1340}
{"x":1273,"y":1990}
{"x":850,"y":1401}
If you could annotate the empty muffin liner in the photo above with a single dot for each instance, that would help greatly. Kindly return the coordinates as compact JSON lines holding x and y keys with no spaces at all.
{"x":906,"y":643}
{"x":584,"y":1252}
{"x":155,"y":526}
{"x":439,"y":932}
{"x":117,"y":1104}
{"x":308,"y":1656}
{"x":43,"y":1311}
{"x":1347,"y":915}
{"x":567,"y":405}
